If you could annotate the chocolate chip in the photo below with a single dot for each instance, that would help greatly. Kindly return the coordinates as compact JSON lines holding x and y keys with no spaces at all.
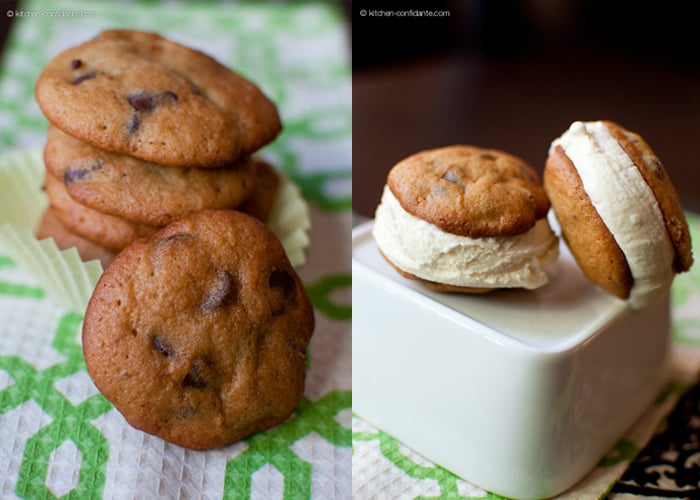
{"x":186,"y":411}
{"x":146,"y":102}
{"x":658,"y":168}
{"x":134,"y":123}
{"x":170,"y":96}
{"x":195,"y":378}
{"x":163,"y":346}
{"x":76,"y":63}
{"x":173,"y":238}
{"x":195,"y":89}
{"x":487,"y":156}
{"x":85,"y":76}
{"x":143,"y":102}
{"x":282,"y":282}
{"x":451,"y":176}
{"x":221,"y":292}
{"x":72,"y":175}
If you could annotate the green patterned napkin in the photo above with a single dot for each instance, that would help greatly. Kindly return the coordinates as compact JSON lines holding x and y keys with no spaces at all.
{"x":384,"y":468}
{"x":60,"y":437}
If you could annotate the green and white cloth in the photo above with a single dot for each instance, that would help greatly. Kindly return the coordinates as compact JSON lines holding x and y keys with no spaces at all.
{"x":59,"y":437}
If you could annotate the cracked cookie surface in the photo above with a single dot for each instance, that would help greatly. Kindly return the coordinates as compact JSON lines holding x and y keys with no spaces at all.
{"x":141,"y":191}
{"x":137,"y":93}
{"x":198,"y":334}
{"x":106,"y":230}
{"x":470,"y":191}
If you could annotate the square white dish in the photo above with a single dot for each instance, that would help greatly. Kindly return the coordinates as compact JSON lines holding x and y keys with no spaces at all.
{"x":519,"y":392}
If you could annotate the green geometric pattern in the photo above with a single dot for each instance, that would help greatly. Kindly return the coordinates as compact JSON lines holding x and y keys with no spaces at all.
{"x":321,"y":295}
{"x":297,"y":53}
{"x":73,"y":423}
{"x":391,"y":450}
{"x":69,"y":422}
{"x":274,"y":447}
{"x":17,"y":289}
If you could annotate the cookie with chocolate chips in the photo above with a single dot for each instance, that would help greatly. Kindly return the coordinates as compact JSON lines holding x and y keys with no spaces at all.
{"x":470,"y":191}
{"x":51,"y":227}
{"x":260,"y":202}
{"x":198,"y":333}
{"x":158,"y":100}
{"x":106,"y":230}
{"x":465,"y":219}
{"x":142,"y":191}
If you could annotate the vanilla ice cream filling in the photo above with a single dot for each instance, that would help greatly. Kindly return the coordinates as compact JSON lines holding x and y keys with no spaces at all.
{"x":626,"y":205}
{"x":424,"y":250}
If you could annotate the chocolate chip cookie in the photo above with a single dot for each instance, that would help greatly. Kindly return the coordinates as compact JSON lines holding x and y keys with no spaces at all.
{"x":198,"y":333}
{"x":51,"y":227}
{"x":260,"y":202}
{"x":465,"y":219}
{"x":142,"y":191}
{"x":105,"y":230}
{"x":470,"y":191}
{"x":158,"y":100}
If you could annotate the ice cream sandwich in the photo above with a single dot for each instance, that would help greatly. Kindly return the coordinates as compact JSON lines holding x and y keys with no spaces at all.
{"x":619,"y":213}
{"x":466,"y":219}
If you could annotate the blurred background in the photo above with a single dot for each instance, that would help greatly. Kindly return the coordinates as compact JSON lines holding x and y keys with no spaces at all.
{"x":513,"y":75}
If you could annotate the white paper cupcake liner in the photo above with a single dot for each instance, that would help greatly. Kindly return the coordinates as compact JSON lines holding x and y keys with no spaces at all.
{"x":61,"y":273}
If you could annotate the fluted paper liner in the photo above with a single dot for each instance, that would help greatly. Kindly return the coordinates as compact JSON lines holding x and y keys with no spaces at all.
{"x":61,"y":273}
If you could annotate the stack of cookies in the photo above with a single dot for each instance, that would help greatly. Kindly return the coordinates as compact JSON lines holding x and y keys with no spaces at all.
{"x":144,"y":131}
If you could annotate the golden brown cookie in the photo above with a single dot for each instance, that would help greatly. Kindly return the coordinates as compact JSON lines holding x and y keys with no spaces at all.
{"x":260,"y":202}
{"x":590,"y":242}
{"x":470,"y":191}
{"x":106,"y":230}
{"x":141,"y":191}
{"x":51,"y":227}
{"x":618,"y":210}
{"x":658,"y":180}
{"x":198,"y":333}
{"x":140,"y":94}
{"x":465,"y":219}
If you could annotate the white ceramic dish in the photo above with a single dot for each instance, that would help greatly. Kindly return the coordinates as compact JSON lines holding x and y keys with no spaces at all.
{"x":519,"y":392}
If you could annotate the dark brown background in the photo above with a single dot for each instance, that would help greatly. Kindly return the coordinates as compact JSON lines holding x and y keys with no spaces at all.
{"x":513,"y":75}
{"x":5,"y":20}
